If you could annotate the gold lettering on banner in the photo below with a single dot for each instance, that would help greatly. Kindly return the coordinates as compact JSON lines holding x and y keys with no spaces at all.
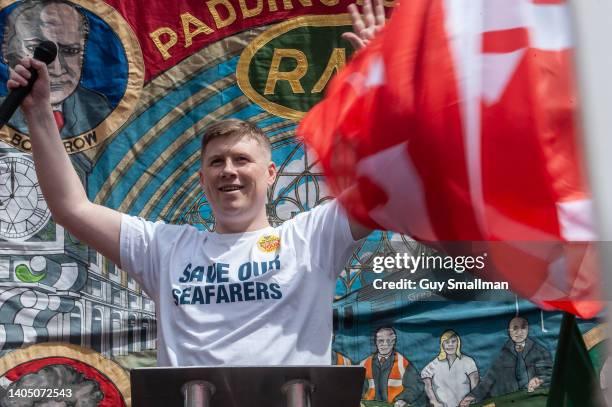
{"x":72,"y":145}
{"x":337,"y":60}
{"x":220,"y":22}
{"x":81,"y":142}
{"x":302,"y":77}
{"x":163,"y":47}
{"x":250,"y":12}
{"x":305,"y":3}
{"x":165,"y":38}
{"x":201,"y":28}
{"x":287,"y":4}
{"x":21,"y":141}
{"x":293,"y":77}
{"x":272,"y":5}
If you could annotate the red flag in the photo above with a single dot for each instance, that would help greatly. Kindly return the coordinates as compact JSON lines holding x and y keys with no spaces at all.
{"x":458,"y":124}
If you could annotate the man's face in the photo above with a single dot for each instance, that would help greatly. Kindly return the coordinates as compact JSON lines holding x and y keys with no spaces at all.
{"x":450,"y":345}
{"x":235,"y":174}
{"x":385,"y":342}
{"x":61,"y":24}
{"x":518,"y":330}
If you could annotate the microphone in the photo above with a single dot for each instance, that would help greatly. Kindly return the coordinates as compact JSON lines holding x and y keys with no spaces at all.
{"x":45,"y":52}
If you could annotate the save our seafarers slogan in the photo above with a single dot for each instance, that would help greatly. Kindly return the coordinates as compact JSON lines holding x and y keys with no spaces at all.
{"x":424,"y":262}
{"x":207,"y":284}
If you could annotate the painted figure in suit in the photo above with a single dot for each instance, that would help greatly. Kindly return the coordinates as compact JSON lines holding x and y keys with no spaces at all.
{"x":76,"y":108}
{"x":522,"y":364}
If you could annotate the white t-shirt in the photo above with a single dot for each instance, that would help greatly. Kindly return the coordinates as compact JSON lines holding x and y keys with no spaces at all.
{"x":256,"y":298}
{"x":450,"y":383}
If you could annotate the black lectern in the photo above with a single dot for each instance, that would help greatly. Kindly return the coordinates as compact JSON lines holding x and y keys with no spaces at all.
{"x":266,"y":386}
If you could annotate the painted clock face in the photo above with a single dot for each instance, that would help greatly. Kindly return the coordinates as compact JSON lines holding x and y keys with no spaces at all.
{"x":23,"y":210}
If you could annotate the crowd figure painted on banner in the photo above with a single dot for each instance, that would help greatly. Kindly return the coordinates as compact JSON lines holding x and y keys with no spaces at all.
{"x":76,"y":108}
{"x":451,"y":375}
{"x":522,"y":364}
{"x":390,"y":376}
{"x":452,"y":378}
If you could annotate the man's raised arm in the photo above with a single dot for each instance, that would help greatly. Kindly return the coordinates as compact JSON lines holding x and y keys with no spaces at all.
{"x":95,"y":225}
{"x":365,"y":28}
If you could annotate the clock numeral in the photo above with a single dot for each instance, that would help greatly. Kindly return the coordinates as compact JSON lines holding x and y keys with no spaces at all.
{"x":40,"y":213}
{"x":18,"y":177}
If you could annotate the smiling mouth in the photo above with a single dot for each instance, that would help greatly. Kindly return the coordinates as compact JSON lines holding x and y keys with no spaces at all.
{"x":230,"y":188}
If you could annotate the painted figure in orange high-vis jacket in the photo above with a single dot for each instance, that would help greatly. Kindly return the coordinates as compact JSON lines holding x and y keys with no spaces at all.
{"x":389,"y":375}
{"x":340,"y":360}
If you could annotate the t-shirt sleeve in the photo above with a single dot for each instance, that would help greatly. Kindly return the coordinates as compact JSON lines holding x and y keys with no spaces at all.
{"x":470,"y":366}
{"x":138,"y":256}
{"x":428,"y":371}
{"x":327,"y":231}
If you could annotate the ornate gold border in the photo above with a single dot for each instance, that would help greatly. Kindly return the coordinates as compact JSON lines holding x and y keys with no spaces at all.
{"x":242,"y":70}
{"x":122,"y":111}
{"x":110,"y":369}
{"x":595,"y":335}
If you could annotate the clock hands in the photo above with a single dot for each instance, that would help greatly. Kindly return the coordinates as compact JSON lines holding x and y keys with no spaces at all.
{"x":12,"y":180}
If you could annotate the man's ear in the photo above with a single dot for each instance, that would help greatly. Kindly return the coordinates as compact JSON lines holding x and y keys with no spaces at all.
{"x":271,"y":173}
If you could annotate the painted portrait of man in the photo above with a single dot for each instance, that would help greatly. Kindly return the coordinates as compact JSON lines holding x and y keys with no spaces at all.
{"x":76,"y":108}
{"x":523,"y":364}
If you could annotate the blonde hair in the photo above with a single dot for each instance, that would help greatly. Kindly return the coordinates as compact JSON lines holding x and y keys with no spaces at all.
{"x":446,"y":335}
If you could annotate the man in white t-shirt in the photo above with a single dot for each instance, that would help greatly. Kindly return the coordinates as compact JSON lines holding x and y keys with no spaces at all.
{"x":246,"y":294}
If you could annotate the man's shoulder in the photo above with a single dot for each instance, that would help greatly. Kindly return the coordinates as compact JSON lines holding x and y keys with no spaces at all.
{"x":404,"y":359}
{"x":159,"y":227}
{"x":367,"y":359}
{"x":535,"y":346}
{"x":83,"y":94}
{"x":508,"y":346}
{"x":316,"y":214}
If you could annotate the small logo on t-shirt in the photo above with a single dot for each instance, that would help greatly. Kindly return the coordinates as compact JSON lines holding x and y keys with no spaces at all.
{"x":268,"y":243}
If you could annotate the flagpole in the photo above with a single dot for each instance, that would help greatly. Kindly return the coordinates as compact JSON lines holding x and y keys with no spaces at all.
{"x":592,"y":31}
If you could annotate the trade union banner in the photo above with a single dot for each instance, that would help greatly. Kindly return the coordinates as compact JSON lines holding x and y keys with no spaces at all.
{"x":134,"y":84}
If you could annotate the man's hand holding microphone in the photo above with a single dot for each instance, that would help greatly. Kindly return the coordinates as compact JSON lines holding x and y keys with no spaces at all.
{"x":25,"y":89}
